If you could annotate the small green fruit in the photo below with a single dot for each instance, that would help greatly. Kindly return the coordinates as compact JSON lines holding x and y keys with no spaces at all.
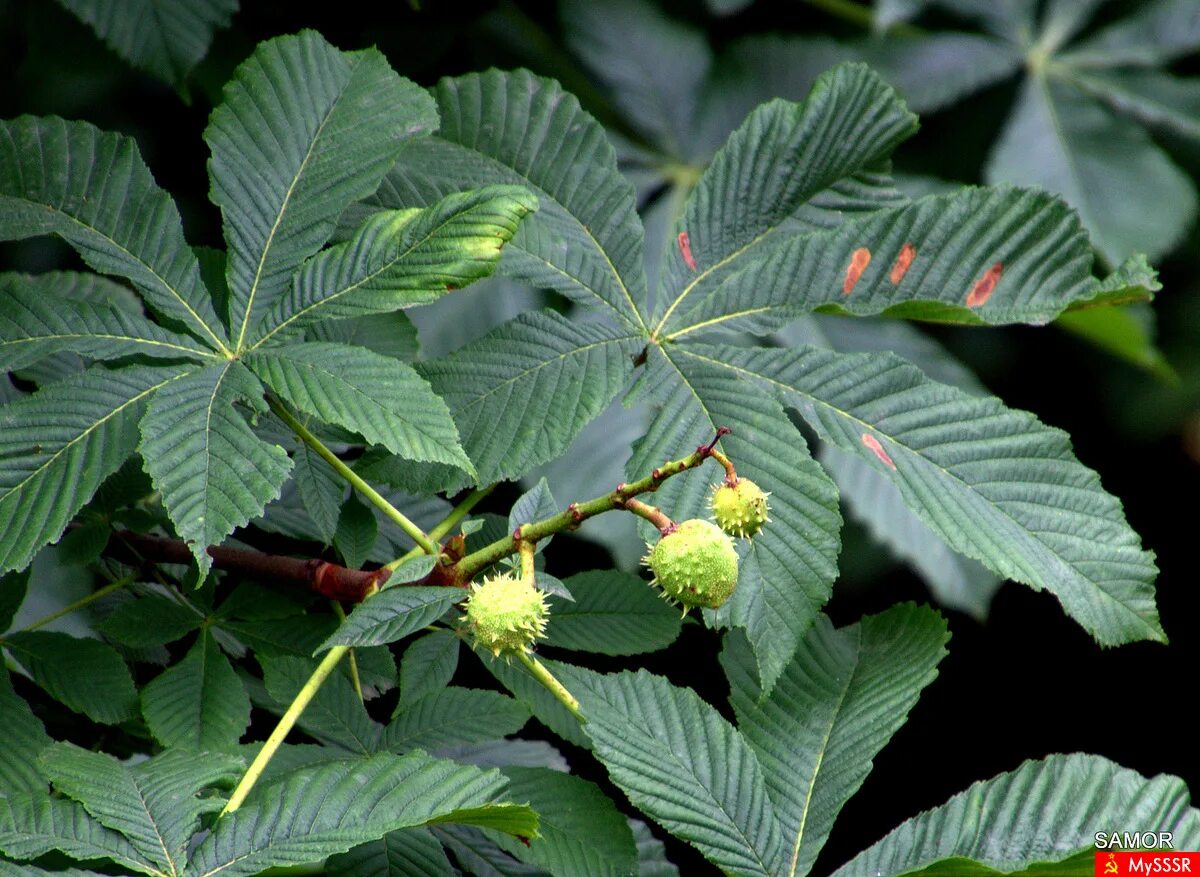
{"x":740,"y":510}
{"x":506,"y":614}
{"x":695,"y":565}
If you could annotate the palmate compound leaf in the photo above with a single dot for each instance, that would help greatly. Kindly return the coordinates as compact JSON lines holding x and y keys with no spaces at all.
{"x":521,"y":393}
{"x":92,"y":189}
{"x":25,"y":739}
{"x":978,"y":256}
{"x":304,"y":131}
{"x":382,"y":398}
{"x":335,"y":716}
{"x":153,"y":803}
{"x":1028,"y":820}
{"x":319,"y":811}
{"x":409,"y":852}
{"x":786,"y":572}
{"x":613,"y":613}
{"x":59,"y":444}
{"x":780,"y":172}
{"x":836,"y":705}
{"x":213,"y":472}
{"x":392,"y":614}
{"x":83,"y":674}
{"x":681,"y":764}
{"x":452,"y":717}
{"x":165,"y":37}
{"x":993,"y":482}
{"x":520,"y":129}
{"x":35,"y":322}
{"x":401,"y":258}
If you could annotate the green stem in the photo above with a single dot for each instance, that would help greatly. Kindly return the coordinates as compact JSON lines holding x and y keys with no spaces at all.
{"x":81,"y":602}
{"x":551,"y":684}
{"x":652,"y":514}
{"x":288,"y":720}
{"x":578,"y":512}
{"x":286,"y":723}
{"x":355,"y":680}
{"x":372,"y":495}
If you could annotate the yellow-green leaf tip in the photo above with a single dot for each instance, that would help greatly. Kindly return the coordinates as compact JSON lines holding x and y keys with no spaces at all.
{"x":695,"y":565}
{"x":740,"y":509}
{"x":506,"y":614}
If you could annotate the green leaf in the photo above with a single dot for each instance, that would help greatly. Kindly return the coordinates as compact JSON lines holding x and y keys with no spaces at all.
{"x":25,"y":738}
{"x":33,"y":824}
{"x":452,"y":717}
{"x":652,"y":855}
{"x":585,"y":241}
{"x":58,"y":445}
{"x":154,"y":803}
{"x":164,"y":37}
{"x":383,"y":399}
{"x":150,"y":620}
{"x":544,"y":705}
{"x":335,"y":715}
{"x":410,"y":852}
{"x":533,"y":505}
{"x":652,"y":66}
{"x":356,"y":532}
{"x":994,"y":483}
{"x":986,"y":255}
{"x":401,"y":258}
{"x":477,"y":853}
{"x":13,"y":587}
{"x":581,"y":831}
{"x":1028,"y":819}
{"x":35,"y":322}
{"x":392,"y":334}
{"x":786,"y":574}
{"x":683,"y":765}
{"x":93,"y":189}
{"x":303,"y":132}
{"x":213,"y":472}
{"x":834,"y":708}
{"x":780,"y":172}
{"x":428,"y":664}
{"x":321,"y":489}
{"x":83,"y":674}
{"x":933,"y":71}
{"x":1157,"y":33}
{"x":11,"y":869}
{"x":1157,"y":99}
{"x":1125,"y":332}
{"x":1128,"y":192}
{"x":958,"y":582}
{"x":392,"y":614}
{"x":199,"y":704}
{"x":360,"y":801}
{"x":614,"y":613}
{"x":521,"y":393}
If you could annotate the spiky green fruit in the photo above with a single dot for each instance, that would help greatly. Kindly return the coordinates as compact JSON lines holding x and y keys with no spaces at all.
{"x":740,"y":509}
{"x":695,"y":565}
{"x":506,"y":614}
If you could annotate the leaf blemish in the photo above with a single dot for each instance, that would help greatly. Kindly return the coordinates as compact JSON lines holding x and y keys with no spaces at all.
{"x":859,"y":260}
{"x":986,"y":285}
{"x":907,"y":253}
{"x":685,"y":250}
{"x":872,"y":444}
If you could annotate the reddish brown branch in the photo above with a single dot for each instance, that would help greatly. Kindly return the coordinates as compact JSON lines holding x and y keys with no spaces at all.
{"x":328,"y":579}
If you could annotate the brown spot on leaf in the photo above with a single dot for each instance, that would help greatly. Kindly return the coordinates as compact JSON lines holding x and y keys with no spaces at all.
{"x":872,"y":444}
{"x":985,"y":286}
{"x":859,"y":260}
{"x":685,"y":250}
{"x":907,"y":253}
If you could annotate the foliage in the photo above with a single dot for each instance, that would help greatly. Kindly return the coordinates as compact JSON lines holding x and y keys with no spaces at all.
{"x":182,"y":404}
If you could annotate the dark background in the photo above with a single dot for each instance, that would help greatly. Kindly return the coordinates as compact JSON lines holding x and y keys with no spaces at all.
{"x":1025,"y":683}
